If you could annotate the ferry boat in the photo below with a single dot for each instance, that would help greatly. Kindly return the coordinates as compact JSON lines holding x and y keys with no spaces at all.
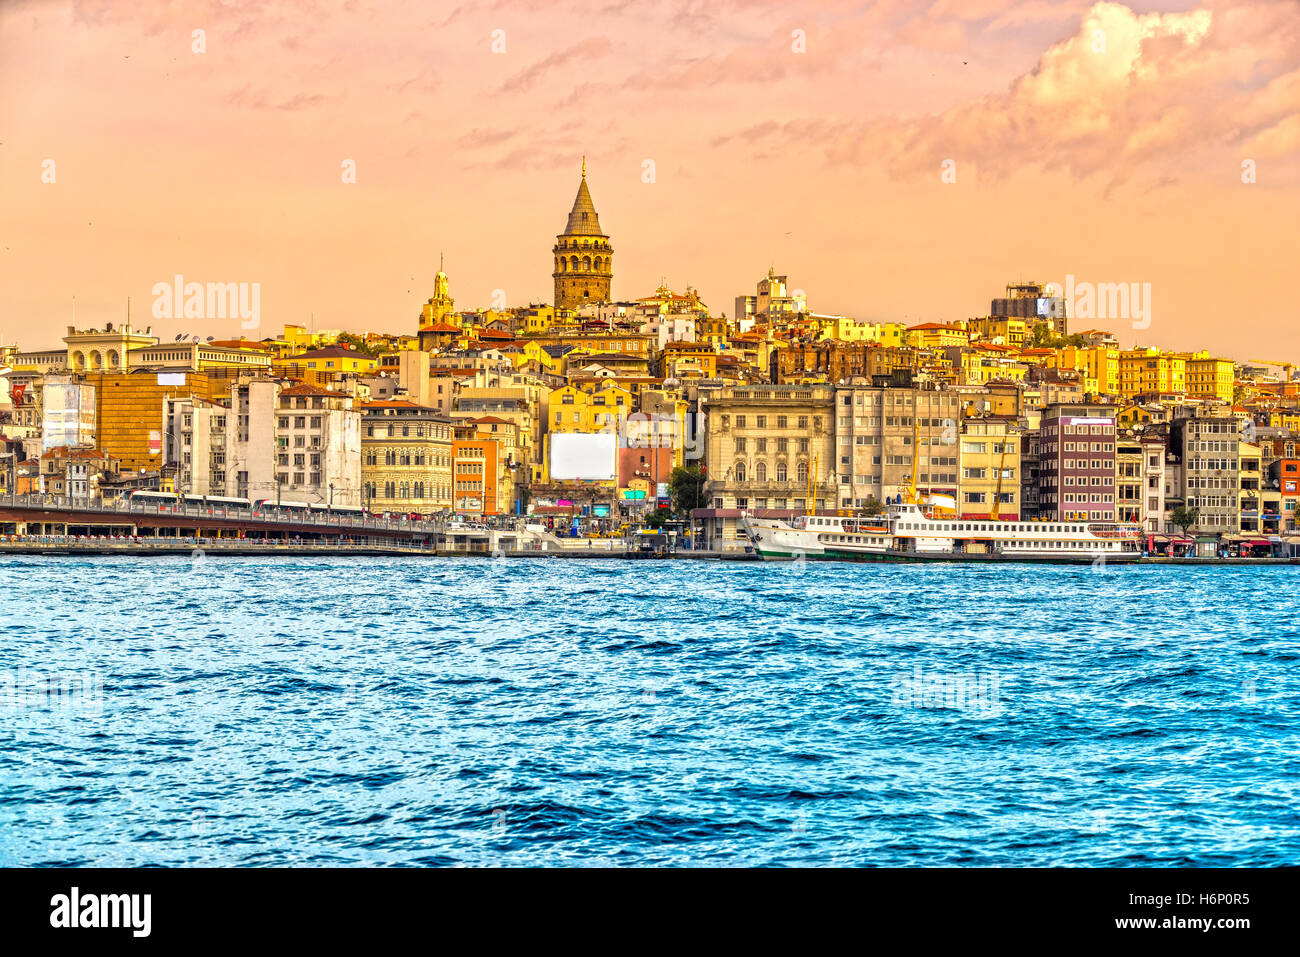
{"x":907,"y":531}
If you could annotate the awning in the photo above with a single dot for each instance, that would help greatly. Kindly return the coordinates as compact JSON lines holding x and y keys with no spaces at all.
{"x":1259,"y":543}
{"x":1179,"y":540}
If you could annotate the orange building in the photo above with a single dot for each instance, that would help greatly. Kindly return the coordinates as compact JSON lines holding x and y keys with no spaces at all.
{"x":475,"y":468}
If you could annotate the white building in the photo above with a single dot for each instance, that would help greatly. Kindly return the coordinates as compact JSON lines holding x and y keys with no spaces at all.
{"x":67,"y":413}
{"x":299,"y":443}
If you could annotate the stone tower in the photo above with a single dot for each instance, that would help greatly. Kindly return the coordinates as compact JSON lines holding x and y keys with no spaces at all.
{"x":584,"y":259}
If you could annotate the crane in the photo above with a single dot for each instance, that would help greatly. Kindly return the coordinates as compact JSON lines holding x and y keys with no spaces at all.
{"x":913,"y":498}
{"x":997,"y":492}
{"x":1286,"y":367}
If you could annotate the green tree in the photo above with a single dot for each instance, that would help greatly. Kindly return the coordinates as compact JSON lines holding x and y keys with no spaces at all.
{"x":687,"y":487}
{"x":358,"y":343}
{"x":872,"y":506}
{"x":1184,"y":517}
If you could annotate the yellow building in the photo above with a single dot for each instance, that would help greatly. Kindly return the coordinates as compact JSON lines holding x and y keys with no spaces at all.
{"x":846,"y":329}
{"x":1099,"y":366}
{"x":1151,"y":372}
{"x":573,"y":410}
{"x":934,"y":335}
{"x":1009,"y":330}
{"x":333,"y":360}
{"x":1209,"y":378}
{"x":989,"y":469}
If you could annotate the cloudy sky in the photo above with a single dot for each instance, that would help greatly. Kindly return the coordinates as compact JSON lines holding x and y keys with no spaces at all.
{"x":899,"y":160}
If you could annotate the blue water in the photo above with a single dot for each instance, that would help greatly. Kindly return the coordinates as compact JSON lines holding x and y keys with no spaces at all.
{"x":528,"y":712}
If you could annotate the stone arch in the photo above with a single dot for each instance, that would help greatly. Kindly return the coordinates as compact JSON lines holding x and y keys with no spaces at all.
{"x":78,"y":360}
{"x":586,"y":264}
{"x":740,"y":471}
{"x":112,"y":358}
{"x":96,"y":360}
{"x":760,"y":472}
{"x":595,"y":264}
{"x":782,"y":474}
{"x":560,"y":264}
{"x":573,"y":264}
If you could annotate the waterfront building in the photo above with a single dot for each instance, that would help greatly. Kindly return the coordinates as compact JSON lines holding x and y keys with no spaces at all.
{"x":875,"y":455}
{"x":768,"y":447}
{"x":583,"y":256}
{"x":989,"y":469}
{"x":1210,"y":448}
{"x":298,"y":443}
{"x":67,"y":412}
{"x":129,"y":410}
{"x":1076,"y":463}
{"x":406,"y":457}
{"x":477,"y":468}
{"x":75,"y":472}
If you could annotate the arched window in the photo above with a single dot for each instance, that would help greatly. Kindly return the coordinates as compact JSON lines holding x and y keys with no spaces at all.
{"x":803,"y":471}
{"x":781,"y":473}
{"x":740,"y":471}
{"x":586,"y":264}
{"x":112,"y":358}
{"x":559,"y":264}
{"x":96,"y":360}
{"x":595,"y":264}
{"x":760,"y":472}
{"x":573,"y":264}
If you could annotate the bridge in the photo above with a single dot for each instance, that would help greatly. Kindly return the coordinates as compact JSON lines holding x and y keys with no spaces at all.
{"x":41,"y":515}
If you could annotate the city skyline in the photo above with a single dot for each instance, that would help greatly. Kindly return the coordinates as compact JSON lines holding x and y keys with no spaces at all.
{"x":1114,"y":164}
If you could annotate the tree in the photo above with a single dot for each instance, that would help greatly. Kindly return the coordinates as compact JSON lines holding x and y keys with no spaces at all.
{"x":357,"y":343}
{"x":1184,"y":517}
{"x":872,"y":506}
{"x":687,"y":487}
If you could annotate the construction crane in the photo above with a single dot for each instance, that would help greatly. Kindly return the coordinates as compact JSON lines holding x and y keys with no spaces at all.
{"x":997,"y":492}
{"x":913,"y":497}
{"x":1286,"y":367}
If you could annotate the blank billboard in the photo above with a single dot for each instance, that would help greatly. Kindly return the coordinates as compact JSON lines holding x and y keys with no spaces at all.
{"x":580,"y":455}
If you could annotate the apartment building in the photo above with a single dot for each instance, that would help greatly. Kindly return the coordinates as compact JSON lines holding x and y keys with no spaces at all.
{"x":406,"y":457}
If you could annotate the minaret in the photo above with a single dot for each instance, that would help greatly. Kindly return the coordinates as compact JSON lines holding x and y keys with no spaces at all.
{"x":584,"y":259}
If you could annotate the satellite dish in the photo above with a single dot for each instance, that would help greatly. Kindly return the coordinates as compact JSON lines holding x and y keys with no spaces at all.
{"x":195,"y":338}
{"x":179,"y":336}
{"x":210,"y":338}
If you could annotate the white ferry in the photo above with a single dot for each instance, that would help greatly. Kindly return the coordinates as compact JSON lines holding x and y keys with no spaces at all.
{"x":906,"y":531}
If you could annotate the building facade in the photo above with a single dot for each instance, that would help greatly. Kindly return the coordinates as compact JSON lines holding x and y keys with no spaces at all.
{"x":405,"y":457}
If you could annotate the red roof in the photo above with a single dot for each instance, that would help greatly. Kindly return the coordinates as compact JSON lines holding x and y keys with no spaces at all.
{"x":304,"y":389}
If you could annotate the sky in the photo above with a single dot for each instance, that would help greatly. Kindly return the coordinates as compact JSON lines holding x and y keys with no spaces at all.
{"x":898,"y":160}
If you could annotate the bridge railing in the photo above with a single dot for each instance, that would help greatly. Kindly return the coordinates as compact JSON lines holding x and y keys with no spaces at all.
{"x":314,"y":519}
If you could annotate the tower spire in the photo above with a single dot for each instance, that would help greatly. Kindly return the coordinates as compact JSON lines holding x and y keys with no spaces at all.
{"x":584,"y":167}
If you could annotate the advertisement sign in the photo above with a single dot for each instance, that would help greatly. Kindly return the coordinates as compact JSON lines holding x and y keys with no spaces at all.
{"x":584,"y":455}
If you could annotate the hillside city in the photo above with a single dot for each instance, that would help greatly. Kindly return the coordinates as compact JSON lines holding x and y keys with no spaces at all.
{"x":591,"y":413}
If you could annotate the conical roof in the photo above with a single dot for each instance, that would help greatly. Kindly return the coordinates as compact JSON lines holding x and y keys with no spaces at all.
{"x":582,"y":218}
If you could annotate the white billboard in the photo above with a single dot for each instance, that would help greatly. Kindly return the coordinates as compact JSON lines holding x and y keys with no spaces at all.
{"x":581,"y":455}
